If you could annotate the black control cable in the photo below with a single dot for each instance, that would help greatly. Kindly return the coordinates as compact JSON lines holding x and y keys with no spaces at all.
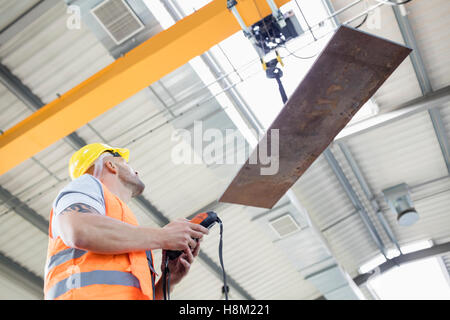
{"x":207,"y":220}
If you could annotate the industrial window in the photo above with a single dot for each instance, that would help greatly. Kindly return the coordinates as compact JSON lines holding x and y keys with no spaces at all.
{"x":425,"y":279}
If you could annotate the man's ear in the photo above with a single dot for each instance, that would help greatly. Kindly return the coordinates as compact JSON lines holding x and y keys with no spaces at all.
{"x":111,"y":166}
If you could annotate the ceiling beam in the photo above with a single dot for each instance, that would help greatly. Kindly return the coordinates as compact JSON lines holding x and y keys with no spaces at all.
{"x":441,"y":135}
{"x":12,"y":269}
{"x":368,"y":193}
{"x":27,"y":279}
{"x":125,"y":77}
{"x":23,"y":210}
{"x":32,"y":101}
{"x":26,"y":19}
{"x":346,"y":185}
{"x":410,"y":108}
{"x":416,"y":58}
{"x":423,"y":79}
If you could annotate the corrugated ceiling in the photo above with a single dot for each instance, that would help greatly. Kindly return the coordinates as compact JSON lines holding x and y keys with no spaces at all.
{"x":50,"y":60}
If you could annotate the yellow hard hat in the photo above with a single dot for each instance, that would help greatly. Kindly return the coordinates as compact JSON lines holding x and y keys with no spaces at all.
{"x":85,"y":157}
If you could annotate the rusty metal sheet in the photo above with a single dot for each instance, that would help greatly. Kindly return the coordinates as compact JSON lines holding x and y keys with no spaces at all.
{"x":347,"y":73}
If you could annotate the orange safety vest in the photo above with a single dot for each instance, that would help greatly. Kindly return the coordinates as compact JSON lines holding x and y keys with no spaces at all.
{"x":82,"y":275}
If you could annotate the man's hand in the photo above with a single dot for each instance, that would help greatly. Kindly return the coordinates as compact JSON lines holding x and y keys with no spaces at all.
{"x":180,"y":267}
{"x":180,"y":234}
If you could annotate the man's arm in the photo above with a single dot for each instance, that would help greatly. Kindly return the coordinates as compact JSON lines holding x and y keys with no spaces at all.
{"x":82,"y":227}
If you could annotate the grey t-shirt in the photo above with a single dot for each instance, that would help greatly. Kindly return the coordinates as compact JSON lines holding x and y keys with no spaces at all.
{"x":85,"y":189}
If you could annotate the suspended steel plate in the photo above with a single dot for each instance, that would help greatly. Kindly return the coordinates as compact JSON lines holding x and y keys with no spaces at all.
{"x":347,"y":73}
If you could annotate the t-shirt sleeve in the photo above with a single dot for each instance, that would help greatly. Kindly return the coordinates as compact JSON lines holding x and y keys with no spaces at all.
{"x":86,"y":190}
{"x":78,"y":197}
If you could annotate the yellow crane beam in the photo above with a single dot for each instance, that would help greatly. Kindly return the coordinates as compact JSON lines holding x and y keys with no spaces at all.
{"x":125,"y":77}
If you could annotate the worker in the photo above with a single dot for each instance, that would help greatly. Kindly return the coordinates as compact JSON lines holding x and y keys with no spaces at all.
{"x":96,"y":248}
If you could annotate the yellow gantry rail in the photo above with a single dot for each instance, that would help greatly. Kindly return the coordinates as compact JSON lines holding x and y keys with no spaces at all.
{"x":125,"y":77}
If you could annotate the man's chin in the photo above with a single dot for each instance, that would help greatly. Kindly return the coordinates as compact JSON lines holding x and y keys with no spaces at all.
{"x":138,"y":189}
{"x":134,"y":184}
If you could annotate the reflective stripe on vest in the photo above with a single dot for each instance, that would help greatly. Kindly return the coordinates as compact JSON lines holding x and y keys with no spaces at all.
{"x":83,"y":279}
{"x":63,"y":256}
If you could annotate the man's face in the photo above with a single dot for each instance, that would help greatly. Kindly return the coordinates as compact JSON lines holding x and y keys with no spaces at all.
{"x":128,"y":176}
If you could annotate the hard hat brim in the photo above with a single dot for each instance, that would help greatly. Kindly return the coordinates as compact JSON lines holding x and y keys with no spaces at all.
{"x":124,"y":153}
